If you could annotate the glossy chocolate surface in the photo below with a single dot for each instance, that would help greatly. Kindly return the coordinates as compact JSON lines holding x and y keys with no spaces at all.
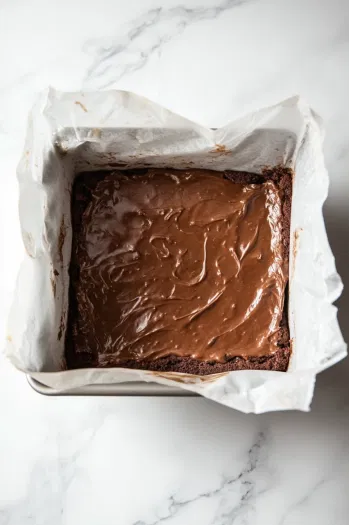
{"x":182,"y":263}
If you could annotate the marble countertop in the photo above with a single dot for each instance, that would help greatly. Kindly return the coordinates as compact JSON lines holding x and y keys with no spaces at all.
{"x":149,"y":461}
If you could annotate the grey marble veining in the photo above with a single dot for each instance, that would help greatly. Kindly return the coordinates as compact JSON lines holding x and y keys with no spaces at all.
{"x":114,"y":57}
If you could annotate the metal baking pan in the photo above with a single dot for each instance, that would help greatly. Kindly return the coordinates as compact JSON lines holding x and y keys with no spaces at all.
{"x":121,"y":389}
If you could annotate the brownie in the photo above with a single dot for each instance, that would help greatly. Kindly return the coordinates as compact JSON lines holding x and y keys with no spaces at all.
{"x":180,"y":270}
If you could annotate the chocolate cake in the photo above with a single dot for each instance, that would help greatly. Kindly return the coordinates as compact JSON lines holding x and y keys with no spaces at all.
{"x":180,"y":270}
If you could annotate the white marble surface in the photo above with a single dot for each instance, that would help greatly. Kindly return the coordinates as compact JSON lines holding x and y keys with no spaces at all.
{"x":175,"y":461}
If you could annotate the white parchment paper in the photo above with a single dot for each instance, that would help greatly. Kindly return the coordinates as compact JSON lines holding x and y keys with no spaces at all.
{"x":70,"y":132}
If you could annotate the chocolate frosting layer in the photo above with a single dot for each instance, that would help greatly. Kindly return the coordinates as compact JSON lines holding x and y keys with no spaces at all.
{"x":181,"y":263}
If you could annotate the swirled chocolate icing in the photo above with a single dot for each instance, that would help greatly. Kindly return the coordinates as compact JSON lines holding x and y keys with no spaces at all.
{"x":186,"y":264}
